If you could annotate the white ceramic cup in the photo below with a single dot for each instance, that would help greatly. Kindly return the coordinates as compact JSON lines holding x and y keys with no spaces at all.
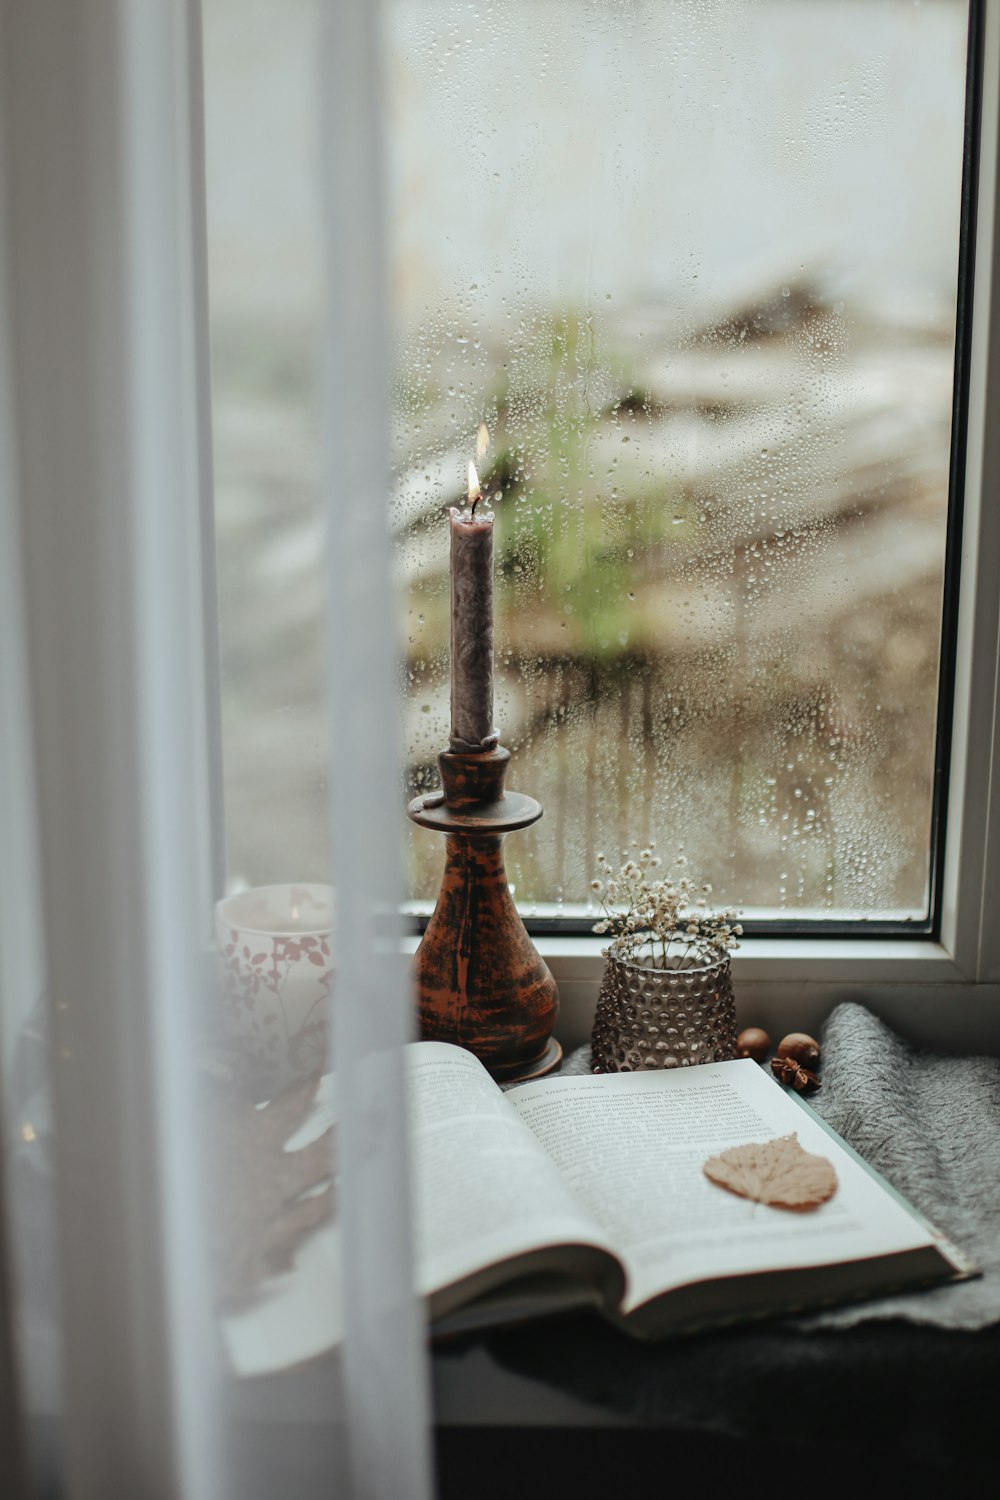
{"x":275,"y":954}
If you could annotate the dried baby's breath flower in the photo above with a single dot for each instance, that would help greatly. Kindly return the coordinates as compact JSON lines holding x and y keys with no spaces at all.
{"x":661,"y":923}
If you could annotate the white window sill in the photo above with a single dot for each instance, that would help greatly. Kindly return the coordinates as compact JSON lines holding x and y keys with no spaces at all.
{"x":786,"y":984}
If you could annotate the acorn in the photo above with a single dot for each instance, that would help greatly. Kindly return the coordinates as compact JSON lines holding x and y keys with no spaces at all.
{"x":800,"y":1048}
{"x":754,"y":1043}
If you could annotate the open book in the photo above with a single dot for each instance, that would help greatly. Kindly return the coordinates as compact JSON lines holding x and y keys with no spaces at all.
{"x":592,"y":1188}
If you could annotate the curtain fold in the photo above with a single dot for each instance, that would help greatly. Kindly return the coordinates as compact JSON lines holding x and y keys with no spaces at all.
{"x":385,"y":1382}
{"x":106,"y":518}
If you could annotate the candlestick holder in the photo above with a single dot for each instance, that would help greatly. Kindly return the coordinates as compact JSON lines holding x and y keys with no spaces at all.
{"x":481,"y":982}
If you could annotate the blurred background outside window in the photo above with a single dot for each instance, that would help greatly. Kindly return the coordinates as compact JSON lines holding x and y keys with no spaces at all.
{"x":694,"y":264}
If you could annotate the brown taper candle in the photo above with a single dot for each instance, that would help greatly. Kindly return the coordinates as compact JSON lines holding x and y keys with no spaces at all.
{"x":472,"y":625}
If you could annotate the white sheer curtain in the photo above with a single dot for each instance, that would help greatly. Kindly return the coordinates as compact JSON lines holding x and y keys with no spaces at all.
{"x":383,"y":1383}
{"x":107,"y":779}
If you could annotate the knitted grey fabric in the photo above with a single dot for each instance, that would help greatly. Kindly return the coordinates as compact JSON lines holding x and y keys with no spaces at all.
{"x":930,"y":1124}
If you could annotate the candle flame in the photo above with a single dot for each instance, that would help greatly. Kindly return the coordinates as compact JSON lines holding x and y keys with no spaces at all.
{"x":475,"y":493}
{"x":482,"y":441}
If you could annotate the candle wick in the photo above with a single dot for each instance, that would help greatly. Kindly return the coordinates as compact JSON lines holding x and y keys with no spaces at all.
{"x":475,"y":502}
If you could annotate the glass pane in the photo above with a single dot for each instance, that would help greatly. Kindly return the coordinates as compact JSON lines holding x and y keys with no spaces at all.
{"x":694,"y":266}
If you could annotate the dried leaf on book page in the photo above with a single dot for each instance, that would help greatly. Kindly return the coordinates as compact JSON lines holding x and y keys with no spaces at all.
{"x":777,"y":1172}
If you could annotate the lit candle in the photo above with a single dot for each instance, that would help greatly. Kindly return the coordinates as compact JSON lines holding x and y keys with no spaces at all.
{"x":472,"y":623}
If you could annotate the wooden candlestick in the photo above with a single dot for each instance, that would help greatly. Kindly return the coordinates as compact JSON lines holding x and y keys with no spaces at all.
{"x":481,"y":982}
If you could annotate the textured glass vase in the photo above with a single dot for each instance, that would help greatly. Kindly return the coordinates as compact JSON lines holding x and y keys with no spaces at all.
{"x":663,"y":1018}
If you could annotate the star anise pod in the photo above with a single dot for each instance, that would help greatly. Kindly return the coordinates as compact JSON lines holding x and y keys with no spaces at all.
{"x":790,"y":1071}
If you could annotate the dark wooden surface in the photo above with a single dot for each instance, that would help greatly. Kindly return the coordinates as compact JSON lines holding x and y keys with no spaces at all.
{"x":580,"y":1409}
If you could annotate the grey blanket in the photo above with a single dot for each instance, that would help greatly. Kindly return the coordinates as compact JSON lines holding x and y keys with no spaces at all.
{"x":930,"y":1124}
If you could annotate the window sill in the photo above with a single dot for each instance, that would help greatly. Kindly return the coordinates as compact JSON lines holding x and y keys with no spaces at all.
{"x":793,"y":984}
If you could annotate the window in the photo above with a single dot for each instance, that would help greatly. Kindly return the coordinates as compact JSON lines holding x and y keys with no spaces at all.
{"x":697,"y":271}
{"x":769,"y":697}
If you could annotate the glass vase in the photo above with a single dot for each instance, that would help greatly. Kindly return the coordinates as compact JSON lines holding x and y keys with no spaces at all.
{"x":672,"y":1017}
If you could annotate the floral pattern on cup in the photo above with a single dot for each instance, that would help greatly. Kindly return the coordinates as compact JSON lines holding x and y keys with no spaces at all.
{"x":277,"y":984}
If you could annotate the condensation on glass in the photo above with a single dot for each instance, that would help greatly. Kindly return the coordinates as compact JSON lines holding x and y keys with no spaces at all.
{"x":694,"y":265}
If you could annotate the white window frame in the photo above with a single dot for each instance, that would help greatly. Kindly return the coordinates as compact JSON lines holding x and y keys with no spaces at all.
{"x":944,"y":992}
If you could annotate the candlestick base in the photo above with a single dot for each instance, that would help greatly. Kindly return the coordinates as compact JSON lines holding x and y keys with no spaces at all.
{"x":481,"y":983}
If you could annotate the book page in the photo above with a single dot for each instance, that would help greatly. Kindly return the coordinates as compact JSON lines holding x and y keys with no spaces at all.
{"x":632,"y":1147}
{"x":485,"y":1189}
